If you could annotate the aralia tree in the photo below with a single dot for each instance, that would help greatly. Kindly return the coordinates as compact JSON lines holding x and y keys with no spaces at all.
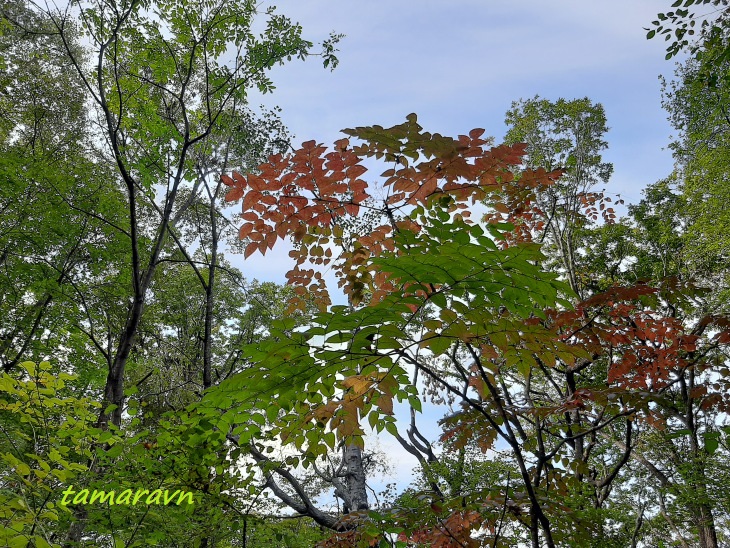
{"x":469,"y":307}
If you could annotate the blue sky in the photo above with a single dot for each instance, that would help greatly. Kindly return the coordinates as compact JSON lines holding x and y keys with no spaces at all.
{"x":460,"y":64}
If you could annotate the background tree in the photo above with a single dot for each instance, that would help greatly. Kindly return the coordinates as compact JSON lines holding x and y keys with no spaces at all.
{"x":52,"y":244}
{"x":565,"y":135}
{"x":699,"y":114}
{"x":161,"y":83}
{"x":133,"y":179}
{"x":654,"y":244}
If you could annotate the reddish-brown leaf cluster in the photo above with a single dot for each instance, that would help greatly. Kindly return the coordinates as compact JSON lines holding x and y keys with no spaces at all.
{"x":455,"y":530}
{"x":595,"y":204}
{"x":314,"y":196}
{"x":293,"y":192}
{"x":645,"y":348}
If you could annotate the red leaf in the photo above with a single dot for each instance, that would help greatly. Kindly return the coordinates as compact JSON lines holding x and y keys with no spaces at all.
{"x":240,"y":179}
{"x":245,"y":230}
{"x":256,"y":183}
{"x":268,"y":199}
{"x":271,"y":240}
{"x":355,"y":171}
{"x":251,"y":200}
{"x":250,"y":248}
{"x":299,"y":232}
{"x":234,"y":194}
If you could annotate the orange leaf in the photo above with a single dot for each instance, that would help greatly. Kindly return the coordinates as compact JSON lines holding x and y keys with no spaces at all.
{"x":252,"y":199}
{"x":245,"y":230}
{"x":250,"y":248}
{"x":234,"y":194}
{"x":358,"y":383}
{"x":385,"y":403}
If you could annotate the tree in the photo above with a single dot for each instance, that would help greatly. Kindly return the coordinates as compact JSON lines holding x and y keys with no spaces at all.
{"x":244,"y":140}
{"x":566,"y":135}
{"x":479,"y":319}
{"x":168,"y":110}
{"x":711,"y":48}
{"x":678,"y":443}
{"x":699,"y":114}
{"x":356,"y":271}
{"x":161,"y":85}
{"x":50,"y":242}
{"x":675,"y":236}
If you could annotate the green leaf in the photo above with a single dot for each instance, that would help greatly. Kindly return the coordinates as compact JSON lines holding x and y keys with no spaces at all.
{"x":114,"y":451}
{"x":272,"y":412}
{"x":712,"y":441}
{"x":439,"y":345}
{"x":22,"y":469}
{"x":678,"y":434}
{"x":415,"y":403}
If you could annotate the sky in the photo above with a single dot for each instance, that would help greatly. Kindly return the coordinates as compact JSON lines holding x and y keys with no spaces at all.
{"x":459,"y":65}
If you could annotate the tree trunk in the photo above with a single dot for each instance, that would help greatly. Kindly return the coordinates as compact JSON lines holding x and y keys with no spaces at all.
{"x":705,"y":522}
{"x":356,"y":487}
{"x":76,"y":529}
{"x":210,"y":294}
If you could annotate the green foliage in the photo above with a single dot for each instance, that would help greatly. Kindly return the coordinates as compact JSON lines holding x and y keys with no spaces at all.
{"x":91,"y":221}
{"x":294,"y":532}
{"x":698,"y":112}
{"x":711,"y":47}
{"x":355,"y":353}
{"x":54,"y":241}
{"x":48,"y":440}
{"x":563,"y":134}
{"x":569,"y":136}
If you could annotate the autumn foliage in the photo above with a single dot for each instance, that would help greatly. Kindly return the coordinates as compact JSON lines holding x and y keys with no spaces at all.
{"x":312,"y":195}
{"x":469,"y":306}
